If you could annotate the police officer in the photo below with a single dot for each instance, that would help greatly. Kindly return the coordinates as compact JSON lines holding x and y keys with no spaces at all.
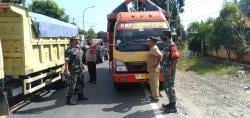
{"x":153,"y":67}
{"x":74,"y":72}
{"x":168,"y":67}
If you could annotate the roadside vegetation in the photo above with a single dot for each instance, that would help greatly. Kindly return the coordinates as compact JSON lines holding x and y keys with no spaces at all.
{"x":228,"y":32}
{"x":205,"y":66}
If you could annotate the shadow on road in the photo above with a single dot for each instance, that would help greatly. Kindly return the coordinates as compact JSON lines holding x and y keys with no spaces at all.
{"x":55,"y":95}
{"x":102,"y":93}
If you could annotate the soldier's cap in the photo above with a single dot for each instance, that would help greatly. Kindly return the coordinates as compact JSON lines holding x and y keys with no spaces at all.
{"x":166,"y":32}
{"x":155,"y":39}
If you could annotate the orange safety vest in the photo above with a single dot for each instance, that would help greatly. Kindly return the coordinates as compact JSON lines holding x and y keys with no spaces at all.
{"x":174,"y":52}
{"x":93,"y":49}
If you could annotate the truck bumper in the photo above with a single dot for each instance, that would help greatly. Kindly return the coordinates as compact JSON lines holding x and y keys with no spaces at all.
{"x":132,"y":77}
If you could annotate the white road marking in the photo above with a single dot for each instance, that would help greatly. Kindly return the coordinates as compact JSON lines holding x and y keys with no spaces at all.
{"x":154,"y":106}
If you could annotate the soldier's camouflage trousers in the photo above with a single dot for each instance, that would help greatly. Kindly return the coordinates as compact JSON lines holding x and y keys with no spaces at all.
{"x":169,"y":85}
{"x":75,"y":84}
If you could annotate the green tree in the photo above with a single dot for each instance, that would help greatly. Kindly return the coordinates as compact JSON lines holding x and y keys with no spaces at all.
{"x":90,"y":34}
{"x":199,"y":33}
{"x":49,"y":8}
{"x":194,"y":42}
{"x":101,"y":35}
{"x":237,"y":36}
{"x":175,"y":8}
{"x":244,"y":5}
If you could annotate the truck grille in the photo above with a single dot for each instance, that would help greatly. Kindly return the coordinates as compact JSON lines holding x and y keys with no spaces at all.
{"x":136,"y":66}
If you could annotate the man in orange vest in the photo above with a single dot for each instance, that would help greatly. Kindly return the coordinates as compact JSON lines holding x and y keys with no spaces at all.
{"x":168,"y":67}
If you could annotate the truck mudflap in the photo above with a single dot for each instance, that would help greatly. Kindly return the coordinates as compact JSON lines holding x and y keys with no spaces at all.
{"x":133,"y":78}
{"x":4,"y":106}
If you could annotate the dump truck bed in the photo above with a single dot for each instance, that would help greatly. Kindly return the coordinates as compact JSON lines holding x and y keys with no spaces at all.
{"x":24,"y":52}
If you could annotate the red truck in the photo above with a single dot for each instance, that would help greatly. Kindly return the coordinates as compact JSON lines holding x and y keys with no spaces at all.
{"x":127,"y":34}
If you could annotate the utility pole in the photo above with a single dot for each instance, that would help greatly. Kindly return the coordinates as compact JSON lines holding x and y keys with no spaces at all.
{"x":167,"y":2}
{"x":83,"y":13}
{"x":73,"y":20}
{"x":137,"y":5}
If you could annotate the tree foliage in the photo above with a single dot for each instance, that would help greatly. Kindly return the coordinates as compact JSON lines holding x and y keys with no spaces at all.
{"x":228,"y":32}
{"x":244,"y":5}
{"x":101,"y":35}
{"x":90,"y":34}
{"x":49,"y":8}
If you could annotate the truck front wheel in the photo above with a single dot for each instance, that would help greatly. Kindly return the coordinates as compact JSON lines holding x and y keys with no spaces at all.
{"x":118,"y":86}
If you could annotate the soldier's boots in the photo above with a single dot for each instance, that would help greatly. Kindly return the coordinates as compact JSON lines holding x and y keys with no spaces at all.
{"x":170,"y":108}
{"x":72,"y":100}
{"x":82,"y":97}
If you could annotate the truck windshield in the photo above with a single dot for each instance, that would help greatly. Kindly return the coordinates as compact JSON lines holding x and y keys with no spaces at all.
{"x":136,"y":39}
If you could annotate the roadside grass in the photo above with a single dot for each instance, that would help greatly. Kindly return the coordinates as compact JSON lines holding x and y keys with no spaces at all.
{"x":206,"y":67}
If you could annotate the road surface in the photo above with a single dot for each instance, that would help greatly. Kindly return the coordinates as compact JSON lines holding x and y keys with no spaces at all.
{"x":198,"y":97}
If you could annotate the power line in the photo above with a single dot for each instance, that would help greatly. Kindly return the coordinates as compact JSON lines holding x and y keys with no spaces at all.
{"x":195,"y":3}
{"x":192,"y":19}
{"x":200,"y":5}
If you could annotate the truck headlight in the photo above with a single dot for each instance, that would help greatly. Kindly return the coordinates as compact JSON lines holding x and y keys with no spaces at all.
{"x":120,"y":66}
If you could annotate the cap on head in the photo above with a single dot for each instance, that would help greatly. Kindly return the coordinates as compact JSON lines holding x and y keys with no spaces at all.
{"x":155,"y":39}
{"x":167,"y":33}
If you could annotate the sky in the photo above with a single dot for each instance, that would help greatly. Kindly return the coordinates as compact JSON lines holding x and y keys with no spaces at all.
{"x":195,"y":10}
{"x":200,"y":10}
{"x":94,"y":17}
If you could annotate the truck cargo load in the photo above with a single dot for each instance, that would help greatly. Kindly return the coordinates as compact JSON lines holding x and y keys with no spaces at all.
{"x":33,"y":48}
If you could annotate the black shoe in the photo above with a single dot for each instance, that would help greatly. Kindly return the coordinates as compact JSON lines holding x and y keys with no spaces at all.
{"x":81,"y":97}
{"x":165,"y":105}
{"x":71,"y":100}
{"x":93,"y":82}
{"x":170,"y":110}
{"x":90,"y":81}
{"x":154,"y":100}
{"x":67,"y":99}
{"x":150,"y":97}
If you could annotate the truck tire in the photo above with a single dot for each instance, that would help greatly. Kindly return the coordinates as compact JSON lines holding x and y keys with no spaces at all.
{"x":118,"y":86}
{"x":4,"y":106}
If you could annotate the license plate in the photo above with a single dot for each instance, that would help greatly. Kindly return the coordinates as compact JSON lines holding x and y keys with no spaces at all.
{"x":141,"y":76}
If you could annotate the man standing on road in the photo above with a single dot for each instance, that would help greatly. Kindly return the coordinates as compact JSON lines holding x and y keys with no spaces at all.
{"x":74,"y":72}
{"x":168,"y":67}
{"x":91,"y":59}
{"x":154,"y":59}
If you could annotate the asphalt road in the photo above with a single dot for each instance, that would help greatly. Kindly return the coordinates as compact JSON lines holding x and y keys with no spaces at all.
{"x":105,"y":102}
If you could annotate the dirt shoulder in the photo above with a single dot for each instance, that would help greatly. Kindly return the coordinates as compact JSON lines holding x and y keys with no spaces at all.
{"x":211,"y":96}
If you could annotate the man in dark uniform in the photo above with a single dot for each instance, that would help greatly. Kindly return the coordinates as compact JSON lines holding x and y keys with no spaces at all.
{"x":74,"y":72}
{"x":168,"y":67}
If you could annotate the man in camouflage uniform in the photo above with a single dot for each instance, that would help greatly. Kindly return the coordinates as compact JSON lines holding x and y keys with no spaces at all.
{"x":74,"y":72}
{"x":168,"y":67}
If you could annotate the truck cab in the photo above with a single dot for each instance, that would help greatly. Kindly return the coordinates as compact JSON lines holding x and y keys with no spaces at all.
{"x":131,"y":31}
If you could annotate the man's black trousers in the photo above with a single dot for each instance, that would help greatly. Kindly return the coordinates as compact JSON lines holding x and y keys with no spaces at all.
{"x":92,"y":71}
